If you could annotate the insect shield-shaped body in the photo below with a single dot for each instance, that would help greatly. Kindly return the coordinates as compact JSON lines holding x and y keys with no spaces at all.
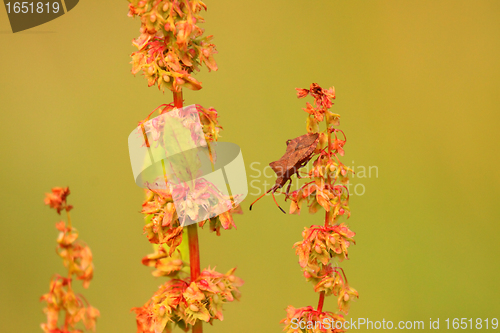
{"x":298,"y":153}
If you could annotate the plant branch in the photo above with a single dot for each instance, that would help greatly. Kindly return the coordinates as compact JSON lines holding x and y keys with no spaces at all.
{"x":69,"y":218}
{"x":321,"y":301}
{"x":178,"y":102}
{"x":192,"y":230}
{"x":70,"y":252}
{"x":194,"y":251}
{"x":198,"y":328}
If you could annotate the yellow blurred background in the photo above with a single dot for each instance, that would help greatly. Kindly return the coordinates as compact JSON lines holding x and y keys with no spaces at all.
{"x":418,"y":89}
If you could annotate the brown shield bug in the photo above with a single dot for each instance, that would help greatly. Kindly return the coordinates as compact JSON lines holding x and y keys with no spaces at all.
{"x":298,"y":153}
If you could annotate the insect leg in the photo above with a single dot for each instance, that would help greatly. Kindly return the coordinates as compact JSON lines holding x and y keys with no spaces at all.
{"x":301,"y":166}
{"x":288,"y":188}
{"x":277,"y":203}
{"x":271,"y":189}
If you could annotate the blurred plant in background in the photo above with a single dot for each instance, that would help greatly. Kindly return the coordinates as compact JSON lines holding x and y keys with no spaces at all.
{"x":77,"y":258}
{"x":170,"y":48}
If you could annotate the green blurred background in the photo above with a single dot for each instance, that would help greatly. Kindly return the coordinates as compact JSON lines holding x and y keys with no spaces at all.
{"x":418,"y":90}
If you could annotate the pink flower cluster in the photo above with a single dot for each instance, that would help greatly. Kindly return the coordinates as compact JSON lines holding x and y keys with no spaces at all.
{"x":171,"y":45}
{"x":180,"y":302}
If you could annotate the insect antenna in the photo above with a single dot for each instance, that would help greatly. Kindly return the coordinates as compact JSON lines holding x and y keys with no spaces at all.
{"x":273,"y":189}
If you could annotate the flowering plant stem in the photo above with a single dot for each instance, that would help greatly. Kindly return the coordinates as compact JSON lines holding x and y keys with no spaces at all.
{"x":322,"y":246}
{"x":321,"y":301}
{"x":322,"y":294}
{"x":194,"y":259}
{"x":194,"y":251}
{"x":171,"y":48}
{"x":70,"y":252}
{"x":192,"y":229}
